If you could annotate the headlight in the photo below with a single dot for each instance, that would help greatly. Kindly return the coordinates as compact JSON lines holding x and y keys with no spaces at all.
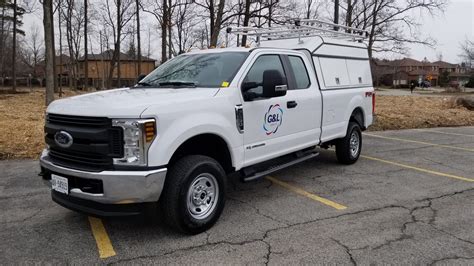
{"x":137,"y":136}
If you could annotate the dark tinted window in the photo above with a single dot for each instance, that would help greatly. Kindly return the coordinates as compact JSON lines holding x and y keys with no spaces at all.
{"x":264,"y":62}
{"x":301,"y":74}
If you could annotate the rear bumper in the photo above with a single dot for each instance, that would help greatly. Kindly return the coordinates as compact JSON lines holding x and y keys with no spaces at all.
{"x":118,"y":187}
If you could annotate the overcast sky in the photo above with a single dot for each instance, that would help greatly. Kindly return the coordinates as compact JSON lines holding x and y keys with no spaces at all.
{"x":449,"y":29}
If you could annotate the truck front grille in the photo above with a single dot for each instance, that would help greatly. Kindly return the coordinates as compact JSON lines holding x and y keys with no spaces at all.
{"x":95,"y":142}
{"x":78,"y":120}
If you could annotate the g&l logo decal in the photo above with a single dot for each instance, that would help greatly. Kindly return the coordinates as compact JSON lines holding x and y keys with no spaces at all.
{"x":273,"y":119}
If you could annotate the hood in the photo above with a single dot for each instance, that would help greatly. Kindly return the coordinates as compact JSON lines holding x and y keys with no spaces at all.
{"x":125,"y":103}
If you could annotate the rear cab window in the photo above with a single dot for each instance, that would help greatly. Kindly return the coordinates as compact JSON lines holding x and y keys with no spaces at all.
{"x":300,"y":72}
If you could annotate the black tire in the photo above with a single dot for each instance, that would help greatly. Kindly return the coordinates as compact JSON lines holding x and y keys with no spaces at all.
{"x":174,"y":200}
{"x":346,"y":154}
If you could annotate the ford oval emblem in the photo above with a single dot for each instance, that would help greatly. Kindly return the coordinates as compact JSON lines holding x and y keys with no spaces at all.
{"x":63,"y":139}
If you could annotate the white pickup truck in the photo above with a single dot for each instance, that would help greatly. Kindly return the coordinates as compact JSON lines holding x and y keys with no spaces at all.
{"x":171,"y":140}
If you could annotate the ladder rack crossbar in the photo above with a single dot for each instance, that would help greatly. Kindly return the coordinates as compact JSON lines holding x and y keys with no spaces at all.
{"x":332,"y":25}
{"x":345,"y":34}
{"x":302,"y":28}
{"x":252,"y":31}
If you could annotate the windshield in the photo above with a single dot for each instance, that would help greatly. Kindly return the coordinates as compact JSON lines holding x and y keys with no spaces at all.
{"x":196,"y":70}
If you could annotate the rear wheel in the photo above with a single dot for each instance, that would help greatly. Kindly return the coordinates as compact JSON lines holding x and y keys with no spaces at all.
{"x":348,"y":148}
{"x":194,"y":194}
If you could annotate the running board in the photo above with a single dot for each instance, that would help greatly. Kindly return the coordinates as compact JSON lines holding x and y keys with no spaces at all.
{"x":277,"y":167}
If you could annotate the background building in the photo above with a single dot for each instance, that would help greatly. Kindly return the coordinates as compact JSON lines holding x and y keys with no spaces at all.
{"x":99,"y":66}
{"x":407,"y":70}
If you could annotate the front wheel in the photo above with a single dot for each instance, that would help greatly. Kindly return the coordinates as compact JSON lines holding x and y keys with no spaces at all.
{"x":348,"y":148}
{"x":194,"y":194}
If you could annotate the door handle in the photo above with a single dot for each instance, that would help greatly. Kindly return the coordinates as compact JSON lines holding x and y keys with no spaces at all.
{"x":291,"y":104}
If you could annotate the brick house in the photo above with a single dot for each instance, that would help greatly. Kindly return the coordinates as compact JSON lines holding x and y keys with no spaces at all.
{"x":404,"y":71}
{"x":457,"y":74}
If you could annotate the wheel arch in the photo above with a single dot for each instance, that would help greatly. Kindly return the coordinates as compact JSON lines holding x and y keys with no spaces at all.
{"x":207,"y":144}
{"x":358,"y":116}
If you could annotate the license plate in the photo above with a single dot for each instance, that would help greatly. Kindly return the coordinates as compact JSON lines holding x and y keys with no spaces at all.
{"x":59,"y":184}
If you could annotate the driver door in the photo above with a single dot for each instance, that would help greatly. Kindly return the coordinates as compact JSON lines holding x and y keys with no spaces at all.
{"x":269,"y":123}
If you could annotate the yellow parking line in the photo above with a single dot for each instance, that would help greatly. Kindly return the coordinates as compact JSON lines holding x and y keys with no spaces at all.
{"x":418,"y":169}
{"x":302,"y":192}
{"x":420,"y":142}
{"x":446,"y":133}
{"x":102,"y":239}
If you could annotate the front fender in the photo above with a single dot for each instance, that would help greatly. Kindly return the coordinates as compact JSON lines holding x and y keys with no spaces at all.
{"x":171,"y":133}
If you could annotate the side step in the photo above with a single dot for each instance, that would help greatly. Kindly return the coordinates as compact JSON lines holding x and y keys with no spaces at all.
{"x":250,"y":174}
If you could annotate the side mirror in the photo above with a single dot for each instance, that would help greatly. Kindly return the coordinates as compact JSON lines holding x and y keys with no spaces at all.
{"x":274,"y":84}
{"x":140,"y":77}
{"x":249,"y":85}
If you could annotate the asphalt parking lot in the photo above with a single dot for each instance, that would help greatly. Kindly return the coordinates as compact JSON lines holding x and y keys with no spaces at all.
{"x":408,"y":200}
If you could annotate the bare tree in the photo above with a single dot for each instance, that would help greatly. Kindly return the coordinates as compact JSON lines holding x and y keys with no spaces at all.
{"x":73,"y":14}
{"x":246,"y":20}
{"x":184,"y":20}
{"x":311,"y":8}
{"x":49,"y":49}
{"x":216,"y":21}
{"x":159,"y":10}
{"x":117,"y":18}
{"x":60,"y":82}
{"x":164,"y":29}
{"x":35,"y":47}
{"x":3,"y":38}
{"x":467,"y":48}
{"x":15,"y":25}
{"x":391,"y":24}
{"x":336,"y":13}
{"x":350,"y":11}
{"x":86,"y":65}
{"x":139,"y":45}
{"x":148,"y":50}
{"x":215,"y":12}
{"x":17,"y":14}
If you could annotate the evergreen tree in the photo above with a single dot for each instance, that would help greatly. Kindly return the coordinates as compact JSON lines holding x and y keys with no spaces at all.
{"x":132,"y":51}
{"x":444,"y":78}
{"x":470,"y":84}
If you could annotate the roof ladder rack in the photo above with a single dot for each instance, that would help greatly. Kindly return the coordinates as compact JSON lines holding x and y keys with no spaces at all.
{"x":301,"y":28}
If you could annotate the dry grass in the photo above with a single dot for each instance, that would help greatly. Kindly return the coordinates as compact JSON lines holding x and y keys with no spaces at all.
{"x":21,"y":124}
{"x":22,"y":118}
{"x":403,"y":112}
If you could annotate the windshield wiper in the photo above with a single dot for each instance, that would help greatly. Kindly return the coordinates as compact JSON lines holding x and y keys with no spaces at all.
{"x":144,"y":84}
{"x":178,"y":84}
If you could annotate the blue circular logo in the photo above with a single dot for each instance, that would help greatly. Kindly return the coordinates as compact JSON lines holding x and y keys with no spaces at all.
{"x":273,"y":119}
{"x":63,"y":139}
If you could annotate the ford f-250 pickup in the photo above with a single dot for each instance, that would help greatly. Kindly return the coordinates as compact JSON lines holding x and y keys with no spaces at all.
{"x":171,"y":140}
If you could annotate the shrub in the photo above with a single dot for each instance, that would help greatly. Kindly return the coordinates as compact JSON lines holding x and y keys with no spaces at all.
{"x":470,"y":84}
{"x":444,"y":78}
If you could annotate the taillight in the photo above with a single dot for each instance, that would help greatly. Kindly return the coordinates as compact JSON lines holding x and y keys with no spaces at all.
{"x":373,"y":103}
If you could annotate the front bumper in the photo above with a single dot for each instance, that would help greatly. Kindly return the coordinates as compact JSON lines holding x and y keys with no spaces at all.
{"x":118,"y":187}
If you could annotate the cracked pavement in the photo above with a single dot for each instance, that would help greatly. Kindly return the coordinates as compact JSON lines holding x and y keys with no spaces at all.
{"x":394,"y":215}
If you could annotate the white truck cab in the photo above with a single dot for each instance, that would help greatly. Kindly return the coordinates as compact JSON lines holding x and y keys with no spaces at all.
{"x":172,"y":139}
